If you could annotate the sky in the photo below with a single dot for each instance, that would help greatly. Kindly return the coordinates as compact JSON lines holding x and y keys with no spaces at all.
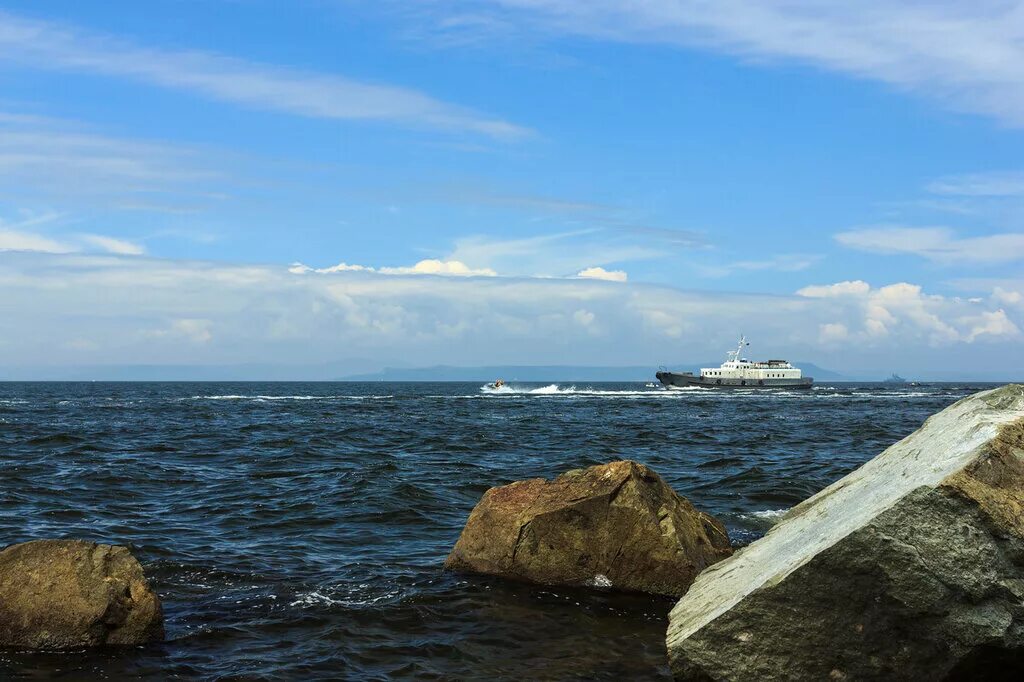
{"x":470,"y":182}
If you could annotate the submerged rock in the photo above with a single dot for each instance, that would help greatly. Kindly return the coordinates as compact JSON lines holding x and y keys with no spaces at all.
{"x":616,"y":525}
{"x":909,"y":568}
{"x":67,"y":594}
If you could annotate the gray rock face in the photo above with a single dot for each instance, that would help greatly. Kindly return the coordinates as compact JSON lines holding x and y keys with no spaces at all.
{"x":67,"y":594}
{"x":910,"y":568}
{"x":616,"y":525}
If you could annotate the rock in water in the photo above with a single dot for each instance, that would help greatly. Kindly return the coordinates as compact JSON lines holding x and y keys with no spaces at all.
{"x":910,"y":568}
{"x":66,"y":594}
{"x":615,"y":525}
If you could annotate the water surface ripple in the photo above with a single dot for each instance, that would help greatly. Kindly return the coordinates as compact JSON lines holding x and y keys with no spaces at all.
{"x":297,"y":530}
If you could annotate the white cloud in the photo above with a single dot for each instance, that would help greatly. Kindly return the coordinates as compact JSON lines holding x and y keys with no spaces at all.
{"x":938,"y":244}
{"x":13,"y":237}
{"x":833,"y":332}
{"x":903,"y":310}
{"x":601,"y":273}
{"x":966,"y":56}
{"x":433,"y":266}
{"x":62,"y":159}
{"x":780,"y":263}
{"x":44,"y":45}
{"x":14,"y":240}
{"x":1007,"y":296}
{"x":113,"y":245}
{"x":429,"y":266}
{"x":552,"y":255}
{"x":848,"y":288}
{"x":994,"y":323}
{"x":584,"y":317}
{"x":187,"y":329}
{"x":142,"y":310}
{"x":991,"y":184}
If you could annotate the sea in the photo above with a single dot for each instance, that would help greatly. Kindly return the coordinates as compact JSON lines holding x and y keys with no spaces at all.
{"x":297,"y":531}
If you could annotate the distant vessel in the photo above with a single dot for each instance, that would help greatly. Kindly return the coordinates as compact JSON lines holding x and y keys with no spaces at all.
{"x":895,"y":379}
{"x":738,"y":372}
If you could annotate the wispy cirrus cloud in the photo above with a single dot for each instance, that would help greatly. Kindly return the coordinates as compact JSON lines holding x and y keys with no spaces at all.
{"x":23,"y":235}
{"x":992,"y":184}
{"x":555,"y":255}
{"x":965,"y":55}
{"x":786,"y":262}
{"x":62,"y":158}
{"x":121,"y":247}
{"x":580,"y":212}
{"x":57,"y":47}
{"x":937,"y":244}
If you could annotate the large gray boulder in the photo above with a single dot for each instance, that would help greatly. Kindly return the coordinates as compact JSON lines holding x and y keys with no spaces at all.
{"x":910,"y":568}
{"x":68,"y":594}
{"x":617,"y":525}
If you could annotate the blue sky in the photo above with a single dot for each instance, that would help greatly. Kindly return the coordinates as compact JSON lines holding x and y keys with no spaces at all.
{"x":511,"y":181}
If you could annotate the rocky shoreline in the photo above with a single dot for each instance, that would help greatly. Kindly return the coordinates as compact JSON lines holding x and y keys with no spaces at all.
{"x":910,"y":567}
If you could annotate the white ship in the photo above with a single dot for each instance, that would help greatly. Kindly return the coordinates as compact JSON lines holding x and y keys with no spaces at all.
{"x":738,"y":372}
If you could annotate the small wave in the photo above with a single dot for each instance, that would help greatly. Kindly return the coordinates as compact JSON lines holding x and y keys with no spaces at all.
{"x":769,"y":514}
{"x":262,"y":398}
{"x":318,"y":598}
{"x":314,"y":598}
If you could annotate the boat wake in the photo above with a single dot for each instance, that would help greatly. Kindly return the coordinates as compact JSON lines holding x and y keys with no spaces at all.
{"x":557,"y":390}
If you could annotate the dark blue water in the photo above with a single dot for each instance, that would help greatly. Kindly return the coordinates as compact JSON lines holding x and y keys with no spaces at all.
{"x":297,"y":530}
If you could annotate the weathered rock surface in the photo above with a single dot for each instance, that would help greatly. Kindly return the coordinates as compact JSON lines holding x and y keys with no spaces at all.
{"x":910,"y":568}
{"x":615,"y":525}
{"x":65,"y":594}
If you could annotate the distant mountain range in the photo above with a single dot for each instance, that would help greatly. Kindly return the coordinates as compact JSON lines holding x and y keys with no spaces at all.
{"x":552,"y":373}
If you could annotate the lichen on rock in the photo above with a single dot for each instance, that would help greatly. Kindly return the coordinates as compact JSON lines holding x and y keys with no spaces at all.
{"x":617,"y":526}
{"x":69,"y":594}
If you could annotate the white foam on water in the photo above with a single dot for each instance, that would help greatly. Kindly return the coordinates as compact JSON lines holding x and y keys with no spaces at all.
{"x":313,"y":599}
{"x":318,"y":598}
{"x":557,"y":390}
{"x":766,"y":514}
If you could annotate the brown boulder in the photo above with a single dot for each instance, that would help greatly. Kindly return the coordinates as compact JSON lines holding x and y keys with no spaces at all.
{"x":615,"y":525}
{"x":67,"y":594}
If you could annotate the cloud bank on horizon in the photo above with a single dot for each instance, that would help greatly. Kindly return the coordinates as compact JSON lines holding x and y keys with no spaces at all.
{"x":512,"y":181}
{"x":194,"y":312}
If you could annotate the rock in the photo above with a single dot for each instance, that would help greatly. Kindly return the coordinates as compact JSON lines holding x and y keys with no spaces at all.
{"x":909,"y":568}
{"x":616,"y":525}
{"x":66,"y":594}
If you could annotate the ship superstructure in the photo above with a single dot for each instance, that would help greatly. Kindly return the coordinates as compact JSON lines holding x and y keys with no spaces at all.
{"x":739,"y":372}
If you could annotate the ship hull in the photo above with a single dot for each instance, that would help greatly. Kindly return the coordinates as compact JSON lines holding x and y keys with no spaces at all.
{"x":677,"y":380}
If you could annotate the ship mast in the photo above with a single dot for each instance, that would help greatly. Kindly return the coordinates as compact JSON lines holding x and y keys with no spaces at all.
{"x":734,"y":355}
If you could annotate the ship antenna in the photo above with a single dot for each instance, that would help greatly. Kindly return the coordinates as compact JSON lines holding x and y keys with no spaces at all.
{"x":735,"y":354}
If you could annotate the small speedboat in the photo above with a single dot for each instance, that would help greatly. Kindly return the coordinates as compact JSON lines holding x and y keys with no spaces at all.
{"x":497,"y":384}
